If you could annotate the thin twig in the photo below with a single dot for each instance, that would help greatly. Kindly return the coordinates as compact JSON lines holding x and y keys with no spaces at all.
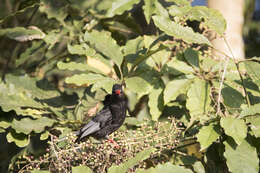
{"x":240,"y":74}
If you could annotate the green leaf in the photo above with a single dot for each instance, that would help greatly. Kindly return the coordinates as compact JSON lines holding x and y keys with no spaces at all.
{"x":236,"y":128}
{"x":254,"y":122}
{"x":207,"y":135}
{"x":20,"y":139}
{"x":192,"y":57}
{"x":149,"y":9}
{"x":167,"y":167}
{"x":109,"y":48}
{"x":178,"y":31}
{"x":252,"y":110}
{"x":198,"y":101}
{"x":120,"y":6}
{"x":123,"y":167}
{"x":81,"y":169}
{"x":21,"y":91}
{"x":232,"y":98}
{"x":50,"y":8}
{"x":81,"y":49}
{"x":27,"y":125}
{"x":138,"y":85}
{"x":177,"y":67}
{"x":77,"y":66}
{"x":198,"y":167}
{"x":242,"y":158}
{"x":35,"y":50}
{"x":22,"y":34}
{"x":155,"y":102}
{"x":252,"y":68}
{"x":174,"y":88}
{"x":210,"y":17}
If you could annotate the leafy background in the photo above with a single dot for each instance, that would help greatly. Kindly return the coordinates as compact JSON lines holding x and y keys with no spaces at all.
{"x":188,"y":112}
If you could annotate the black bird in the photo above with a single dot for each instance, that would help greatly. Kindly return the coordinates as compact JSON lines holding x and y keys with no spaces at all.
{"x":109,"y":119}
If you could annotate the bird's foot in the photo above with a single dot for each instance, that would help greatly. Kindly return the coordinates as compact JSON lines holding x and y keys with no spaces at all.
{"x":113,"y":142}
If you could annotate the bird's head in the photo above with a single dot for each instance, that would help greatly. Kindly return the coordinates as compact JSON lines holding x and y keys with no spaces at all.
{"x":117,"y":90}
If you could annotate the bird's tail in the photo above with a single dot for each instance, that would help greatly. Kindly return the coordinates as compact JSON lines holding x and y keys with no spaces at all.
{"x":87,"y":130}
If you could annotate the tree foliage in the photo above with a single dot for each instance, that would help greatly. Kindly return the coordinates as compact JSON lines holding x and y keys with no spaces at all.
{"x":60,"y":58}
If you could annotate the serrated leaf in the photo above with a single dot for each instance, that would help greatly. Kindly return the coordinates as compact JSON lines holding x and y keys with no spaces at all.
{"x":81,"y":49}
{"x":81,"y":169}
{"x":21,"y":91}
{"x":167,"y":167}
{"x":106,"y":84}
{"x":120,"y":6}
{"x":254,"y":122}
{"x":198,"y":167}
{"x":177,"y":67}
{"x":44,"y":135}
{"x":207,"y":135}
{"x":155,"y":103}
{"x":22,"y":34}
{"x":242,"y":158}
{"x":236,"y":128}
{"x":211,"y":18}
{"x":20,"y":139}
{"x":109,"y":48}
{"x":39,"y":171}
{"x":27,"y":125}
{"x":50,"y":8}
{"x":252,"y":110}
{"x":35,"y":50}
{"x":77,"y":66}
{"x":149,"y":9}
{"x":123,"y":167}
{"x":232,"y":97}
{"x":138,"y":85}
{"x":81,"y":79}
{"x":253,"y":69}
{"x":192,"y":57}
{"x":174,"y":88}
{"x":178,"y":31}
{"x":198,"y":101}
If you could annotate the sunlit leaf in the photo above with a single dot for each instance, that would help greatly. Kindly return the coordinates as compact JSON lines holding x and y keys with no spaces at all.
{"x":167,"y":167}
{"x":149,"y":9}
{"x":198,"y":101}
{"x":138,"y":85}
{"x":174,"y":88}
{"x":20,"y":139}
{"x":207,"y":135}
{"x":236,"y":128}
{"x":27,"y":125}
{"x":253,"y":70}
{"x":252,"y":110}
{"x":120,"y":6}
{"x":123,"y":167}
{"x":155,"y":102}
{"x":178,"y":31}
{"x":242,"y":158}
{"x":22,"y":34}
{"x":81,"y":169}
{"x":109,"y":48}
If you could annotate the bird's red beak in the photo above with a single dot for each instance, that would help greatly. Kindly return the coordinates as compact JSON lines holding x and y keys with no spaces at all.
{"x":118,"y":92}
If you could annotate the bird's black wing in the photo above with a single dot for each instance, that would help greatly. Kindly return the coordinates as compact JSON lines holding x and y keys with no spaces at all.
{"x":95,"y":124}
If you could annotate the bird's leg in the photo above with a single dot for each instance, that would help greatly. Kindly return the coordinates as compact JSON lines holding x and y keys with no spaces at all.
{"x":112,"y":141}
